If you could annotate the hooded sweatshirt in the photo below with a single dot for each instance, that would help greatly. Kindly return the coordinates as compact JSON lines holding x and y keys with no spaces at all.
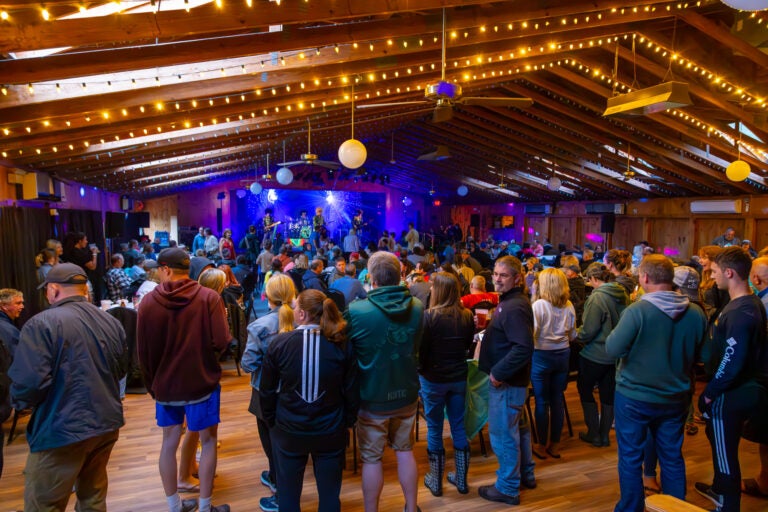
{"x":385,"y":331}
{"x":601,"y":314}
{"x":182,"y":326}
{"x":657,"y":341}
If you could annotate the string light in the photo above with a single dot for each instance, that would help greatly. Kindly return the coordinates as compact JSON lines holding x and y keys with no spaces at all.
{"x":45,"y":14}
{"x":4,"y":16}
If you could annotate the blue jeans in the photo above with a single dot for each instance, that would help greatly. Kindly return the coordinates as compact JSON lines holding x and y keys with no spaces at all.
{"x":505,"y":404}
{"x":634,"y":421}
{"x":448,"y":396}
{"x":549,"y":377}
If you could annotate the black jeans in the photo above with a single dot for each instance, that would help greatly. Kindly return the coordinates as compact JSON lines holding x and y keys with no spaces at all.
{"x":591,"y":373}
{"x":291,"y":453}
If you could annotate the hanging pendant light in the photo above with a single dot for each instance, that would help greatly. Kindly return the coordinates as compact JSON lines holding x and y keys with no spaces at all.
{"x":747,"y":5}
{"x":738,"y":170}
{"x":256,"y":187}
{"x":352,"y":152}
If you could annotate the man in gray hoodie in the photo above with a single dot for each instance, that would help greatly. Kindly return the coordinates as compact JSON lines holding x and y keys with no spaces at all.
{"x":653,"y":392}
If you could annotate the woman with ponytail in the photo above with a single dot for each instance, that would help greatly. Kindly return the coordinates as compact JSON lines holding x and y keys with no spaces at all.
{"x":280,"y":294}
{"x":309,"y":397}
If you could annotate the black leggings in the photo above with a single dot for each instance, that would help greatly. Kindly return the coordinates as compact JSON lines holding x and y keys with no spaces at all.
{"x":591,"y":374}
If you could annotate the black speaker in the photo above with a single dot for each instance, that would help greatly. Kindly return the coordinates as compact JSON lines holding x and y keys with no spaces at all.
{"x":219,"y":221}
{"x":474,"y":220}
{"x":142,"y":219}
{"x":607,"y":223}
{"x":115,"y":224}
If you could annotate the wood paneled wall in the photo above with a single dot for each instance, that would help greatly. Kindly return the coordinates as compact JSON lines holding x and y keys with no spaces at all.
{"x":667,"y":224}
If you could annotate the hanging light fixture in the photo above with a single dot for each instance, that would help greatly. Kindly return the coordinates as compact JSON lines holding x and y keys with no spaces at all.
{"x":738,"y":170}
{"x":462,"y":190}
{"x":747,"y":5}
{"x":256,"y":187}
{"x":352,"y":152}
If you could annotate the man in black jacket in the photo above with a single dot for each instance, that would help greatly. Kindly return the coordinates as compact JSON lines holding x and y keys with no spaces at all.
{"x":505,"y":355}
{"x":11,"y":306}
{"x":312,"y":280}
{"x":66,"y":367}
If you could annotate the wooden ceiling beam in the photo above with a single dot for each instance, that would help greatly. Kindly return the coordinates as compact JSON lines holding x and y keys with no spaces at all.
{"x":209,"y":19}
{"x":575,"y":78}
{"x":586,"y":177}
{"x":154,"y":56}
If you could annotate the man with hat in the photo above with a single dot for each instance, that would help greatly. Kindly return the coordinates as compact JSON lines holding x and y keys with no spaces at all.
{"x":67,"y":367}
{"x":182,"y":329}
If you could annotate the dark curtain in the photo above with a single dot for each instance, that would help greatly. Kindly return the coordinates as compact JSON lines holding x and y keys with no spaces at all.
{"x":91,"y":223}
{"x":23,"y":232}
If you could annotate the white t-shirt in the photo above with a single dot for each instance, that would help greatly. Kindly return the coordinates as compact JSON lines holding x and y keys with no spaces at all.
{"x":146,"y":287}
{"x":553,"y":328}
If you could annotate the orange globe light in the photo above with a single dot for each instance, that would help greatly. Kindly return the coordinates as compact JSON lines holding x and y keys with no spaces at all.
{"x":352,"y":153}
{"x":738,"y":170}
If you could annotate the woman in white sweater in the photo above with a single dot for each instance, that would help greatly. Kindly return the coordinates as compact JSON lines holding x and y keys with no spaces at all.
{"x":554,"y":320}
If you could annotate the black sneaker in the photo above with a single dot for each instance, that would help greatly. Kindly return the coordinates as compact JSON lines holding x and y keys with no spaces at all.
{"x":189,"y":505}
{"x":269,"y":504}
{"x":528,"y":483}
{"x":490,"y":493}
{"x":220,"y":508}
{"x":267,"y":482}
{"x":706,"y":491}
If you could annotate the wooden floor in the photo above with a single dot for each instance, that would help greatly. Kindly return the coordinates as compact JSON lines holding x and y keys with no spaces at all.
{"x":585,"y":479}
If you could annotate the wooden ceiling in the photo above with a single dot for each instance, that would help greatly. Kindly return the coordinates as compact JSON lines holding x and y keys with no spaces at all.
{"x":156,"y":98}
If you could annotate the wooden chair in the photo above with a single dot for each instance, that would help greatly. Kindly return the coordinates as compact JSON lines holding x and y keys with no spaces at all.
{"x":16,"y":414}
{"x":238,"y":329}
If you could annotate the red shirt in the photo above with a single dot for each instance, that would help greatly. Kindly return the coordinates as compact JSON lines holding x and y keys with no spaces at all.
{"x":471,"y":300}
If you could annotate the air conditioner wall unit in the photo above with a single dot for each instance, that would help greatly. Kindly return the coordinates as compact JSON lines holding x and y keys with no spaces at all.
{"x":592,"y":208}
{"x":717,"y":206}
{"x":538,"y":209}
{"x":40,"y":186}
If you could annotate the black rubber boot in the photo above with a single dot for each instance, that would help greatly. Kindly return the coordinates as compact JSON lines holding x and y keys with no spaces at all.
{"x":592,"y":421}
{"x":459,"y":478}
{"x":606,"y":421}
{"x":434,"y":479}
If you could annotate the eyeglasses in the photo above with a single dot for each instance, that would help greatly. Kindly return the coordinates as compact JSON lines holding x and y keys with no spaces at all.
{"x":502,"y":276}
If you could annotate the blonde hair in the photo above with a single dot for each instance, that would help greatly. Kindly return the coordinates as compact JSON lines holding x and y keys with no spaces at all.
{"x":553,"y":287}
{"x":280,"y":291}
{"x":568,"y":260}
{"x":214,"y":279}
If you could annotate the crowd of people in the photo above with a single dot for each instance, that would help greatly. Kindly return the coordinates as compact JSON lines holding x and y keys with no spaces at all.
{"x":356,"y":338}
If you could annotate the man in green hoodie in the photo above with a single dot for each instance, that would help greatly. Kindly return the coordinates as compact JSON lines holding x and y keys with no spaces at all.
{"x":385,"y":330}
{"x":657,"y":342}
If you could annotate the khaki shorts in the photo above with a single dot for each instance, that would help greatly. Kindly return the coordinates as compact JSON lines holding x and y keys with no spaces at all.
{"x":377,"y":429}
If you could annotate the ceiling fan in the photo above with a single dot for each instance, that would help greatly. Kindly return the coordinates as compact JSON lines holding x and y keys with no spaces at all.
{"x":439,"y":154}
{"x":445,"y":95}
{"x":309,"y":158}
{"x":630,"y":174}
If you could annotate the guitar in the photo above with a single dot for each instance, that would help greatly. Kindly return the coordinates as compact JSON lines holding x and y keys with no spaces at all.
{"x":272,"y":225}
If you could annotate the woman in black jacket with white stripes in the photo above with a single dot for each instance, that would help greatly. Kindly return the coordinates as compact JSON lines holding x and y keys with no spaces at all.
{"x":309,"y":397}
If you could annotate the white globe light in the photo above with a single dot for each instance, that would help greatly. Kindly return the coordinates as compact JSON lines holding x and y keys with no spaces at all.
{"x":256,"y":188}
{"x":747,"y":5}
{"x":284,"y":176}
{"x":352,"y":153}
{"x":462,"y":190}
{"x":554,"y":183}
{"x":738,"y":170}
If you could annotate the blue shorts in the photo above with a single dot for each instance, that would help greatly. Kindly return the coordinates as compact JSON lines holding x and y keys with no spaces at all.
{"x":200,"y":416}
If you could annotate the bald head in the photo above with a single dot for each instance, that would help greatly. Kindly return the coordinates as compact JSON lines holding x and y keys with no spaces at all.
{"x":759,"y":273}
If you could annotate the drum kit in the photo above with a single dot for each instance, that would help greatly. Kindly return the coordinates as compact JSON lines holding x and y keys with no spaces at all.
{"x":298,"y":230}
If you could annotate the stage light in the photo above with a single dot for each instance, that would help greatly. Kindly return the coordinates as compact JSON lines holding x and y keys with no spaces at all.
{"x":329,"y":198}
{"x":272,"y":196}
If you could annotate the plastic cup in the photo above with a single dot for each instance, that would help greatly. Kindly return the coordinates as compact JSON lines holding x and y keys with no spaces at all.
{"x":106,"y":304}
{"x":482,"y":318}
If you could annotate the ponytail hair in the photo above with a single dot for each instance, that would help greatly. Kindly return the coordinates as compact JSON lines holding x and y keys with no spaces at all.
{"x":281,"y":291}
{"x":44,"y":256}
{"x":324,"y":311}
